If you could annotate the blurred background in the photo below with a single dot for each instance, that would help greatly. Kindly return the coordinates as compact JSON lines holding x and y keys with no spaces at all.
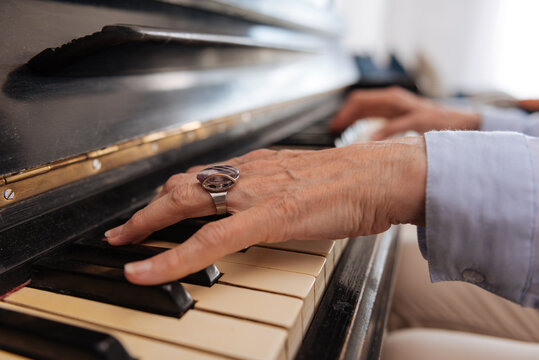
{"x":451,"y":46}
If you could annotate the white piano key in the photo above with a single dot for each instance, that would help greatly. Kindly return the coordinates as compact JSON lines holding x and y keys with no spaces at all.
{"x":325,"y":248}
{"x":201,"y":330}
{"x":268,"y":308}
{"x":340,"y":245}
{"x":140,"y":347}
{"x":275,"y":259}
{"x":287,"y":261}
{"x":315,"y":247}
{"x":272,"y":280}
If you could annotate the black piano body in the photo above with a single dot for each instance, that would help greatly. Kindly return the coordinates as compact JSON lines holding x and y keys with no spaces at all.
{"x":102,"y":101}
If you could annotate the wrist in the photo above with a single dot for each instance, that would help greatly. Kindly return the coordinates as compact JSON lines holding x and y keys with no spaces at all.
{"x":465,"y":120}
{"x":407,"y":191}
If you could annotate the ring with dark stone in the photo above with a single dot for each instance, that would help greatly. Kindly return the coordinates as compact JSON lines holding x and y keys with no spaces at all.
{"x":217,"y":179}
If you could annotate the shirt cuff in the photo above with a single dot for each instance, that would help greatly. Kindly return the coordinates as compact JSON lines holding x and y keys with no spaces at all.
{"x":480,"y":211}
{"x":497,"y":119}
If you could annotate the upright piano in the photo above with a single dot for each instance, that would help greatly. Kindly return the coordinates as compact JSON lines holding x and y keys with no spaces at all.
{"x":102,"y":101}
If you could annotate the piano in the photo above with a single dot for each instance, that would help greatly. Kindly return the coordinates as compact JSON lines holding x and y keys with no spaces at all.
{"x":102,"y":101}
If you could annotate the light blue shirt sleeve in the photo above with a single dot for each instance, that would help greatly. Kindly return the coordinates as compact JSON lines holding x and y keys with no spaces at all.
{"x":482,"y":214}
{"x":497,"y":119}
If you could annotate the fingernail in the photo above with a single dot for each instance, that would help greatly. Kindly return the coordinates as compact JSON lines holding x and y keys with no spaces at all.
{"x":138,"y":267}
{"x":114,"y":232}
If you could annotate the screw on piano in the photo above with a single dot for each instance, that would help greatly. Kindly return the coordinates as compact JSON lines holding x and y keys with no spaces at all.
{"x":96,"y":164}
{"x":9,"y":194}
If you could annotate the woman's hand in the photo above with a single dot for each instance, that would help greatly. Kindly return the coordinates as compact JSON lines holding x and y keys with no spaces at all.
{"x":282,"y":195}
{"x":403,"y":110}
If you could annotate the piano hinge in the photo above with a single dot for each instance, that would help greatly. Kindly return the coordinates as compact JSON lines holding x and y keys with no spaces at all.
{"x":27,"y":183}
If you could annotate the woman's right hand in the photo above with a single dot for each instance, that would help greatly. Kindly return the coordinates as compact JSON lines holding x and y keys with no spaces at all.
{"x":404,"y":111}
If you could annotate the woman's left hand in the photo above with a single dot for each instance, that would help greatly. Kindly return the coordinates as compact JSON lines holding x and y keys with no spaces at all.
{"x":282,"y":195}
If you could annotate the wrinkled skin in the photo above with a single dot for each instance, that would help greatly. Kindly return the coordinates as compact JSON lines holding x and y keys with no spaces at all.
{"x":282,"y":195}
{"x":403,"y":110}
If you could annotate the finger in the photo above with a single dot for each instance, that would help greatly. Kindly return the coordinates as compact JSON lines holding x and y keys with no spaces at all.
{"x":388,"y":103}
{"x":189,"y":200}
{"x":394,"y":127}
{"x":206,"y":246}
{"x":530,"y":105}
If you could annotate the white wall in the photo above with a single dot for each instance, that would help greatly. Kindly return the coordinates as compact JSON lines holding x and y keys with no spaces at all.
{"x":460,"y":45}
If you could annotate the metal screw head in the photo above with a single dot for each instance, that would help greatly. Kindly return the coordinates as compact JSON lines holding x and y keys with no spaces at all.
{"x":96,"y":164}
{"x":9,"y":194}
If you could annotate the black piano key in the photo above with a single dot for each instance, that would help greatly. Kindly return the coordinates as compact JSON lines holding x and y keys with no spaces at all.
{"x":183,"y":230}
{"x":40,"y":338}
{"x":108,"y":284}
{"x":101,"y":253}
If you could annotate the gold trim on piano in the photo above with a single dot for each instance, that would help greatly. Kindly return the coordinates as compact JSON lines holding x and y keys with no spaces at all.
{"x":31,"y":182}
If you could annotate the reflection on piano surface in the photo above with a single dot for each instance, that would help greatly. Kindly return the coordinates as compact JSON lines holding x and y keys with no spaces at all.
{"x":94,"y":116}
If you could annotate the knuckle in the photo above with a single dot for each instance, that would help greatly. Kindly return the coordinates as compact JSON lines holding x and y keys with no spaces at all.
{"x":263,"y":152}
{"x":172,"y":259}
{"x":252,"y":155}
{"x":181,"y":195}
{"x":171,"y":183}
{"x":137,"y":220}
{"x":213,"y":234}
{"x":286,"y":153}
{"x":168,"y":186}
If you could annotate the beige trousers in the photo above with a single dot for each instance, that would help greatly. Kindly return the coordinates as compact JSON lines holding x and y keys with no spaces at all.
{"x":452,"y":320}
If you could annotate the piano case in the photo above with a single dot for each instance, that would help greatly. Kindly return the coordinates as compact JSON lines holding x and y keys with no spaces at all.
{"x":102,"y":101}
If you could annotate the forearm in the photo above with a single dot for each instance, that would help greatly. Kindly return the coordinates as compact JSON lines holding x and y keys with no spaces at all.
{"x":481,"y":211}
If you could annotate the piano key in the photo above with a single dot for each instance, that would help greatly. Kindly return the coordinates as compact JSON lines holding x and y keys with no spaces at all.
{"x":315,"y":247}
{"x":140,"y":347}
{"x":160,"y":244}
{"x":222,"y":335}
{"x":325,"y":248}
{"x":35,"y":337}
{"x":109,"y":285}
{"x":275,"y":259}
{"x":268,"y":308}
{"x":360,"y":131}
{"x":340,"y":245}
{"x":285,"y":260}
{"x":182,"y":230}
{"x":101,"y":253}
{"x":272,"y":280}
{"x":266,"y":279}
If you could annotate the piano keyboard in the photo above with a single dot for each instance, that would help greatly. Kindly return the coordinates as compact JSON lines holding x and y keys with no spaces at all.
{"x":254,"y":304}
{"x":259,"y":308}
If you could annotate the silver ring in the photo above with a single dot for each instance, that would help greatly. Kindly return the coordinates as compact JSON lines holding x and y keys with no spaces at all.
{"x":217,"y":180}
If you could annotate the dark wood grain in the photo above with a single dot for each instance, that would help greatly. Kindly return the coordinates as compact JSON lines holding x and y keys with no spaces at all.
{"x":352,"y":314}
